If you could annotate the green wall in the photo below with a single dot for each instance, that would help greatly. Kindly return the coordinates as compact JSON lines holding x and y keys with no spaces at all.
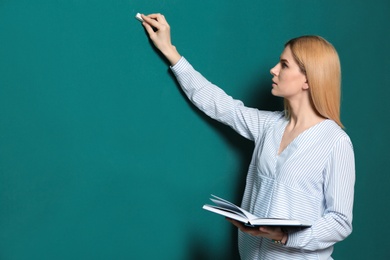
{"x":101,"y":156}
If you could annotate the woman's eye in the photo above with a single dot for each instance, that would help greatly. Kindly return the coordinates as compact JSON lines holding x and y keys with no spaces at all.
{"x":284,"y":65}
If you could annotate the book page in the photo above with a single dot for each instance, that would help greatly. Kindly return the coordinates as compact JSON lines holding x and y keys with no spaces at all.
{"x":227,"y":213}
{"x":230,"y":210}
{"x":279,"y":222}
{"x":228,"y":205}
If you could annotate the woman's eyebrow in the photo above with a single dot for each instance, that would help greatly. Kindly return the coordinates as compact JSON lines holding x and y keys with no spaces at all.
{"x":283,"y":60}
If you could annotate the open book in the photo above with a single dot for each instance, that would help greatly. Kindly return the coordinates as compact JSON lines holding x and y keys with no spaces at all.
{"x":228,"y":209}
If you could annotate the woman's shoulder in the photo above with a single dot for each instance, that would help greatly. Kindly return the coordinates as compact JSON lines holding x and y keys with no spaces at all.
{"x":333,"y":132}
{"x":273,"y":117}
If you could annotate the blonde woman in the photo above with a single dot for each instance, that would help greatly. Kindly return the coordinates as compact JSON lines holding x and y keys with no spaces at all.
{"x":303,"y":162}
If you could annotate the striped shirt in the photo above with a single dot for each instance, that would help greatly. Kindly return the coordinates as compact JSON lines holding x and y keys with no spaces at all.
{"x":311,"y":180}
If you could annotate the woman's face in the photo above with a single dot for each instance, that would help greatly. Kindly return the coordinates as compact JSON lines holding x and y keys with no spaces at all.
{"x":288,"y":81}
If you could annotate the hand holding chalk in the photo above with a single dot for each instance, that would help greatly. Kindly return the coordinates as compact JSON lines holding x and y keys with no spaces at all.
{"x":159,"y":32}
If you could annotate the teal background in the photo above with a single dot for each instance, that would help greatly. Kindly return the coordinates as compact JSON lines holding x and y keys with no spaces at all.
{"x":102,"y":157}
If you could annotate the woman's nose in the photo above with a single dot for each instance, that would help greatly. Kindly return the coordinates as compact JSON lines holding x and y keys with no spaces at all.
{"x":274,"y":70}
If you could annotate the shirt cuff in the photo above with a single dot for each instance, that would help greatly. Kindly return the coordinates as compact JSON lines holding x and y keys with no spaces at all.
{"x":180,"y":66}
{"x":294,"y":239}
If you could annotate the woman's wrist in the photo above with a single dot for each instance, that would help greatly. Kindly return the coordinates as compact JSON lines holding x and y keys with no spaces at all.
{"x":283,"y":240}
{"x":172,"y":55}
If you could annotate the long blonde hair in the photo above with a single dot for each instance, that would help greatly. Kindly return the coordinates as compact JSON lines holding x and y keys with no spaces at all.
{"x":319,"y":61}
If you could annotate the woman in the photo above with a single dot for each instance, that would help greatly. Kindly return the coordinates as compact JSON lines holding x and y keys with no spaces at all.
{"x":303,"y":162}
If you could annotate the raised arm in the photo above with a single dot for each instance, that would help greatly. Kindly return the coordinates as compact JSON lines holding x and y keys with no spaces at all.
{"x":160,"y":33}
{"x":209,"y":98}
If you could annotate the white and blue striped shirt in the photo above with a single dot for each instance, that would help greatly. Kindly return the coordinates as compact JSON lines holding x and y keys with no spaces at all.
{"x":311,"y":180}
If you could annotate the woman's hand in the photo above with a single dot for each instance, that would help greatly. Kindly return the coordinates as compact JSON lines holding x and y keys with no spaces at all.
{"x":159,"y":32}
{"x":274,"y":233}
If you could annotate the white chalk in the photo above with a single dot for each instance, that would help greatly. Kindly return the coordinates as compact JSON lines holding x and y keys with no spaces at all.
{"x":139,"y":17}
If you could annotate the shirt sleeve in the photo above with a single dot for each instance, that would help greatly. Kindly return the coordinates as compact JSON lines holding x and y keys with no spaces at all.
{"x":215,"y":103}
{"x":336,"y":222}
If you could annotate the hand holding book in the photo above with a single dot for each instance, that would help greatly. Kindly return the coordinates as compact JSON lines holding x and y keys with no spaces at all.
{"x":277,"y":234}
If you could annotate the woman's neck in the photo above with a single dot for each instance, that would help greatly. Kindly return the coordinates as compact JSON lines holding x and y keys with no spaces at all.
{"x":303,"y":115}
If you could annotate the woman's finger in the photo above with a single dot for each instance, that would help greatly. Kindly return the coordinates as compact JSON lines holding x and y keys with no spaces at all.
{"x":151,"y":21}
{"x":148,"y":28}
{"x":158,"y":17}
{"x":157,"y":21}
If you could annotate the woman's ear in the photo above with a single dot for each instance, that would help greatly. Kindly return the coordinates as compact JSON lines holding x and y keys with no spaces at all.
{"x":305,"y":85}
